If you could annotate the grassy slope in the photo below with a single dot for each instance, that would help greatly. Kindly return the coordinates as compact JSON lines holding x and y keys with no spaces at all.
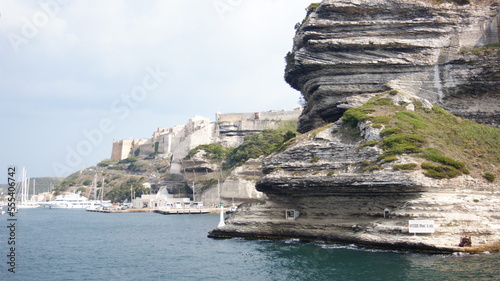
{"x":437,"y":136}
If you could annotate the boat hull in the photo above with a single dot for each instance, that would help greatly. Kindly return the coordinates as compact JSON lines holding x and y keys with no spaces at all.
{"x":27,"y":206}
{"x":65,"y":206}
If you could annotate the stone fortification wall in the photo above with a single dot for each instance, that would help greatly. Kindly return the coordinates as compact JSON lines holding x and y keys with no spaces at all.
{"x":120,"y":149}
{"x":164,"y":137}
{"x":123,"y":149}
{"x":145,"y":148}
{"x":241,"y":124}
{"x":183,"y":144}
{"x":277,"y":115}
{"x":175,"y":141}
{"x":228,"y":130}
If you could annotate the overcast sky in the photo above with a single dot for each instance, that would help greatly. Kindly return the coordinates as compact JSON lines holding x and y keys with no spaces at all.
{"x":77,"y":74}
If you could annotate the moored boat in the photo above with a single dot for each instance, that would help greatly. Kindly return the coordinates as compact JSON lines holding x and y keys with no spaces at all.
{"x":23,"y":192}
{"x":69,"y":201}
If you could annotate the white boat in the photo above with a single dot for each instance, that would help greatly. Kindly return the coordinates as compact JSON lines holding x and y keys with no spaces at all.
{"x":69,"y":201}
{"x":23,"y":193}
{"x":232,"y":209}
{"x":99,"y":203}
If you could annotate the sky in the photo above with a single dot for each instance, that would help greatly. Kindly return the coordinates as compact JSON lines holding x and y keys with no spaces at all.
{"x":75,"y":75}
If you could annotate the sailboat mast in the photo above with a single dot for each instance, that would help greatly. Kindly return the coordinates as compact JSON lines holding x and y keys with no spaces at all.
{"x":94,"y":184}
{"x":34,"y":191}
{"x":24,"y":196}
{"x":102,"y":190}
{"x":194,"y":179}
{"x":218,"y":190}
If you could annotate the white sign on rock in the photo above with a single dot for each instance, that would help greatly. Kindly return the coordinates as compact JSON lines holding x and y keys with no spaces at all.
{"x":421,"y":226}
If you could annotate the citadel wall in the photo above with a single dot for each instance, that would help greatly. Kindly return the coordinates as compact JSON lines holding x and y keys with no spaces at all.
{"x":228,"y":130}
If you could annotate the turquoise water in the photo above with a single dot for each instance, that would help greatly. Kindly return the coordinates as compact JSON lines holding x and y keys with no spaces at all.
{"x":79,"y":245}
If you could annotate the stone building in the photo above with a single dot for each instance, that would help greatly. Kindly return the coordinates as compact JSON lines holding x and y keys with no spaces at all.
{"x":229,"y":130}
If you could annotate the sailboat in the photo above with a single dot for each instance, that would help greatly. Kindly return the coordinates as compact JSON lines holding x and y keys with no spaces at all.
{"x":222,"y":218}
{"x":98,"y":203}
{"x":22,"y":201}
{"x":232,"y":209}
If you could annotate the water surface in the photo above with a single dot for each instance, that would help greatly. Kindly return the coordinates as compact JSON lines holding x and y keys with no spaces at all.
{"x":79,"y":245}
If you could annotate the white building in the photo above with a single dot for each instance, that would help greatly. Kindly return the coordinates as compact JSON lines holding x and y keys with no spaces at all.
{"x":159,"y":201}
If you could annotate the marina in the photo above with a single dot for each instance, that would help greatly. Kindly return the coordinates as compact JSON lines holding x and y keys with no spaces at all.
{"x":62,"y":244}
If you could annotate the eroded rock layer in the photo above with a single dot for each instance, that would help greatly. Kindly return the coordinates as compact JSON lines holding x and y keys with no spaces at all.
{"x":349,"y":47}
{"x":337,"y":182}
{"x":329,"y":185}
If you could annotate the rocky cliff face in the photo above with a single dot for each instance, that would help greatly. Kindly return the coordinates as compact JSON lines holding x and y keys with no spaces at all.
{"x":235,"y":187}
{"x":338,"y":182}
{"x":350,"y":47}
{"x":324,"y":186}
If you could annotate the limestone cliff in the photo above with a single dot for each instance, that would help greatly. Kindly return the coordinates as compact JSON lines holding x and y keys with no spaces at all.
{"x":214,"y":185}
{"x":381,"y":153}
{"x":349,"y":47}
{"x":345,"y":184}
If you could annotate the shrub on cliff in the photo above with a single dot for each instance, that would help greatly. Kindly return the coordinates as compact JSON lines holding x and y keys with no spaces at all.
{"x":128,"y":160}
{"x":137,"y":167}
{"x":106,"y":163}
{"x":87,"y":182}
{"x":122,"y":192}
{"x":256,"y":145}
{"x":66,"y":183}
{"x":440,"y":171}
{"x":69,"y":181}
{"x":407,"y":166}
{"x":214,"y":151}
{"x":312,"y":7}
{"x":489,"y":177}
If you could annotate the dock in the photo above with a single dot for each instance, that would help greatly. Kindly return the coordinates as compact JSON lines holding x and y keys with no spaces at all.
{"x":121,"y":211}
{"x":162,"y":212}
{"x":183,"y":211}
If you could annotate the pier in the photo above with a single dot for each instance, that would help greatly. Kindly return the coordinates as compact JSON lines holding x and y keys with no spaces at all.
{"x":162,"y":212}
{"x":183,"y":211}
{"x":121,"y":211}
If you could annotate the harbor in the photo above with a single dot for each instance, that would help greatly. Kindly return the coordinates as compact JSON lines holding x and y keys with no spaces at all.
{"x":147,"y":246}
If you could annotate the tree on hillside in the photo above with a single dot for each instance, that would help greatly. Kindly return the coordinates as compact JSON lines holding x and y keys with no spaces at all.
{"x":123,"y":192}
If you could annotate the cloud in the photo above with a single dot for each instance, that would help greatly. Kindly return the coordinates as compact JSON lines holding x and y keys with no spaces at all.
{"x":64,"y":74}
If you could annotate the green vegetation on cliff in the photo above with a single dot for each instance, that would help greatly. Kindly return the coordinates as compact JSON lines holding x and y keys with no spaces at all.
{"x":256,"y":145}
{"x":214,"y":151}
{"x":312,"y":7}
{"x":253,"y":146}
{"x":484,"y":50}
{"x":123,"y":191}
{"x":452,"y":145}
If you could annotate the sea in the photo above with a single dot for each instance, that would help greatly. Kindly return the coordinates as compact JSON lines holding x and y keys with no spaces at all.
{"x":60,"y":244}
